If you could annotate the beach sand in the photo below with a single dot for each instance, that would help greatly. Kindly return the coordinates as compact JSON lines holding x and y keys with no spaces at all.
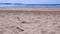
{"x":29,"y":21}
{"x":32,"y":9}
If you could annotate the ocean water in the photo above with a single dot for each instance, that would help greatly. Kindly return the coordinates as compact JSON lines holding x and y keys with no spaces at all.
{"x":27,"y":5}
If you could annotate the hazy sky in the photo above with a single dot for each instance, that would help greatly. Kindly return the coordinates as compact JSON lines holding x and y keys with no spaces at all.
{"x":32,"y":1}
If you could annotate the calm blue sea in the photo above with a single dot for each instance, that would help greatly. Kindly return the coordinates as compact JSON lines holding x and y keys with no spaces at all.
{"x":27,"y":5}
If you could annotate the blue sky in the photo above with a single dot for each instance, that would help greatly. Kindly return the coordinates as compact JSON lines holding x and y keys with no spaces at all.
{"x":31,"y":1}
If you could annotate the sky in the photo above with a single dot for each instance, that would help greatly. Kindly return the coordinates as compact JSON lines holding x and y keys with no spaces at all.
{"x":31,"y":1}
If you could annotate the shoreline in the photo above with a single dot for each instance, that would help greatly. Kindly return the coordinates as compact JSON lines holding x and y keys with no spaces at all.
{"x":31,"y":9}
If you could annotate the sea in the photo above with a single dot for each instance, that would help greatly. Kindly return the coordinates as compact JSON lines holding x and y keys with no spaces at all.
{"x":20,"y":5}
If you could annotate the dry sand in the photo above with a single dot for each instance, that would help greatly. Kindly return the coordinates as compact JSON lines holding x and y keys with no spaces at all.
{"x":29,"y":22}
{"x":32,"y":9}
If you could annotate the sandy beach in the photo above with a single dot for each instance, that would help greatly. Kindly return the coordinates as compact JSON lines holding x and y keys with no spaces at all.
{"x":31,"y":9}
{"x":29,"y":20}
